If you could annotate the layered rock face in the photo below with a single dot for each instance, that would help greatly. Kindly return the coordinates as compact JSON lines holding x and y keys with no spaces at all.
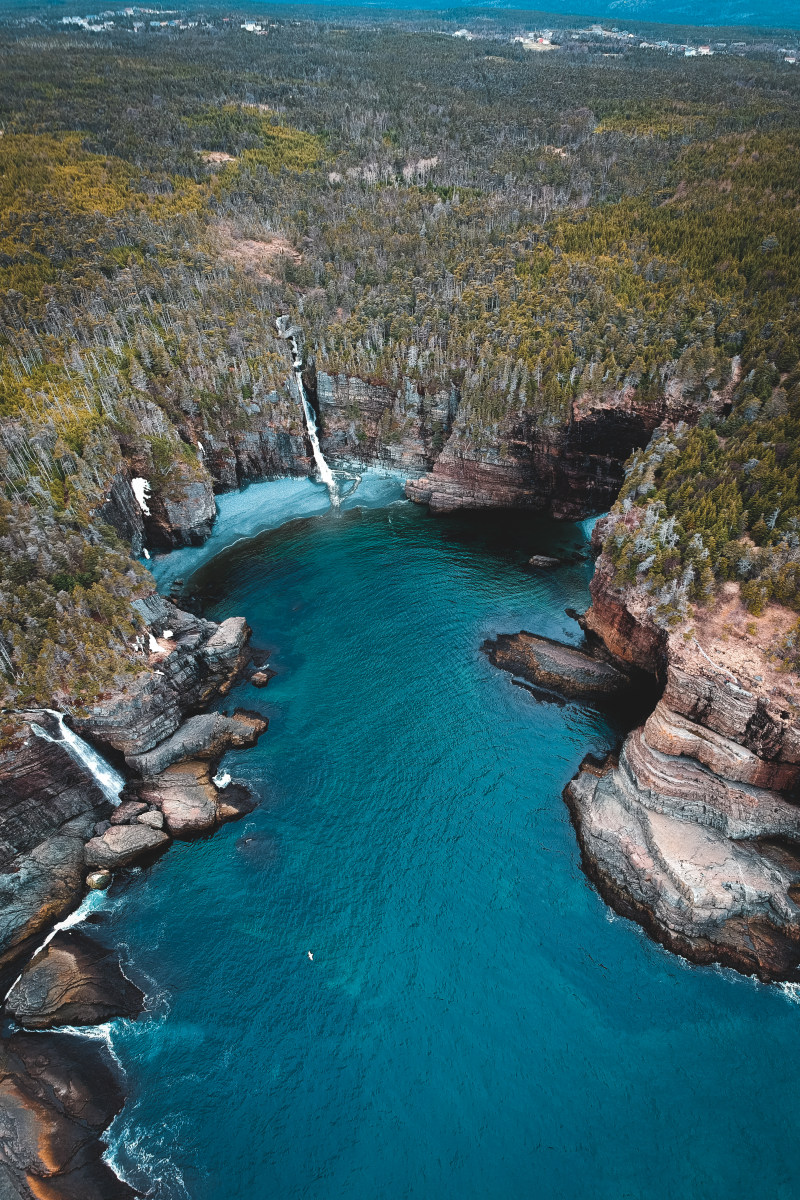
{"x":57,"y":1097}
{"x":74,"y":980}
{"x":50,"y":805}
{"x":695,"y":830}
{"x":58,"y":1094}
{"x":568,"y":468}
{"x":198,"y":660}
{"x":402,"y":428}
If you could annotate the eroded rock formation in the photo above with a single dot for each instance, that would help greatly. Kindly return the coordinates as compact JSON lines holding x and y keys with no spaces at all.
{"x":50,"y":805}
{"x":74,"y":980}
{"x":694,"y":831}
{"x":58,"y":1095}
{"x":568,"y":468}
{"x":555,"y":667}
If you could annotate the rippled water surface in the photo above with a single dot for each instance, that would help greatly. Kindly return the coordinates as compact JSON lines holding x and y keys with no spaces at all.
{"x":473,"y":1023}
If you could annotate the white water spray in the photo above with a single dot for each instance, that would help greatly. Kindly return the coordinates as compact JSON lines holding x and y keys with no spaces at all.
{"x":325,"y":473}
{"x":91,"y":901}
{"x":107,"y":779}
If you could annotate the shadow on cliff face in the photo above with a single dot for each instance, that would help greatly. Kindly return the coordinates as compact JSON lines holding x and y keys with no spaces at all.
{"x":556,"y":673}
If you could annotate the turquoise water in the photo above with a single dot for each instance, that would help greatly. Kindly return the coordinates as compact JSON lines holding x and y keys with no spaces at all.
{"x":474,"y":1023}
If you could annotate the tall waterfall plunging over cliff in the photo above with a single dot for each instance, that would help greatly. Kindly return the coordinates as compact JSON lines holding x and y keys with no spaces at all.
{"x":107,"y":779}
{"x":325,"y":473}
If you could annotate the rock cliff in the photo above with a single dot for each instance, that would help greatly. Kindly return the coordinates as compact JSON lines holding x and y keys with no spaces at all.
{"x":694,"y":830}
{"x":568,"y":467}
{"x":58,"y":1095}
{"x":50,"y":804}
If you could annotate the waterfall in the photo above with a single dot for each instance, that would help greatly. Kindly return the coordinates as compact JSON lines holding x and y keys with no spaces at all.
{"x":107,"y":779}
{"x":325,"y":473}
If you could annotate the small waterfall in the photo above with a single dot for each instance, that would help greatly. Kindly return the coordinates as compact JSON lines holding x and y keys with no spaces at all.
{"x":107,"y":779}
{"x":325,"y":473}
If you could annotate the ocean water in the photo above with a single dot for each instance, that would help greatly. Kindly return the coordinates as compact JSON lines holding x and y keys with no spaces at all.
{"x":765,"y":14}
{"x":474,"y":1023}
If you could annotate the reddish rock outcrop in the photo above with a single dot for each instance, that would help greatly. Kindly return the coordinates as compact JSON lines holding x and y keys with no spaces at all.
{"x":569,"y":467}
{"x":694,"y":831}
{"x":74,"y":980}
{"x":58,"y":1094}
{"x":190,"y":801}
{"x":124,"y":844}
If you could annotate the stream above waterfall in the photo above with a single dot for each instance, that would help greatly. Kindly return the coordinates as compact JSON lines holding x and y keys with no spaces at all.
{"x":474,"y":1023}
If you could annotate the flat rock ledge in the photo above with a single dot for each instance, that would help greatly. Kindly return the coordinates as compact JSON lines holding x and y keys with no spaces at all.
{"x":207,"y":736}
{"x":74,"y":980}
{"x":555,"y":667}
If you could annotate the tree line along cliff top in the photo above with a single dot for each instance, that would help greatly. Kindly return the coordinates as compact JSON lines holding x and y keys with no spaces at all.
{"x":532,"y":232}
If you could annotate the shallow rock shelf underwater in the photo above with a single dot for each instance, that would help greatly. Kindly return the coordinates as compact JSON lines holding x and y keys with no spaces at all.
{"x":474,"y":1022}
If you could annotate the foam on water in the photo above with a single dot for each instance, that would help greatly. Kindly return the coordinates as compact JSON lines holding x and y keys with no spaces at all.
{"x":262,"y":506}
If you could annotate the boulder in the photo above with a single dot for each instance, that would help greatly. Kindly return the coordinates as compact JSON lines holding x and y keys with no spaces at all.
{"x":186,"y":796}
{"x":206,"y":736}
{"x":128,"y":811}
{"x":198,"y":661}
{"x":261,"y":678}
{"x":556,"y":667}
{"x":98,"y":881}
{"x":152,"y":817}
{"x":543,"y":562}
{"x":74,"y":980}
{"x":123,"y":844}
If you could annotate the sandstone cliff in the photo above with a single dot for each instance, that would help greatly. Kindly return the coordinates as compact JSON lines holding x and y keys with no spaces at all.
{"x":50,"y":804}
{"x":694,"y":831}
{"x":568,"y":467}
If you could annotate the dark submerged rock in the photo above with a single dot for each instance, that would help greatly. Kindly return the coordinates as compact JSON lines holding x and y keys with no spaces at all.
{"x":74,"y":980}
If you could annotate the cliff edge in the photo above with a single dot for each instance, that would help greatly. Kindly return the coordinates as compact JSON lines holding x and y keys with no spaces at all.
{"x":694,"y":829}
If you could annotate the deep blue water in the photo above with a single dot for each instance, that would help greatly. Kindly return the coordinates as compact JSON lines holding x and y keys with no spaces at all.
{"x":474,"y":1023}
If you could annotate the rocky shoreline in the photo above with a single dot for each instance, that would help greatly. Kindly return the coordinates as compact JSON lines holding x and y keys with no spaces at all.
{"x":713,"y":878}
{"x":693,"y":829}
{"x":61,"y":834}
